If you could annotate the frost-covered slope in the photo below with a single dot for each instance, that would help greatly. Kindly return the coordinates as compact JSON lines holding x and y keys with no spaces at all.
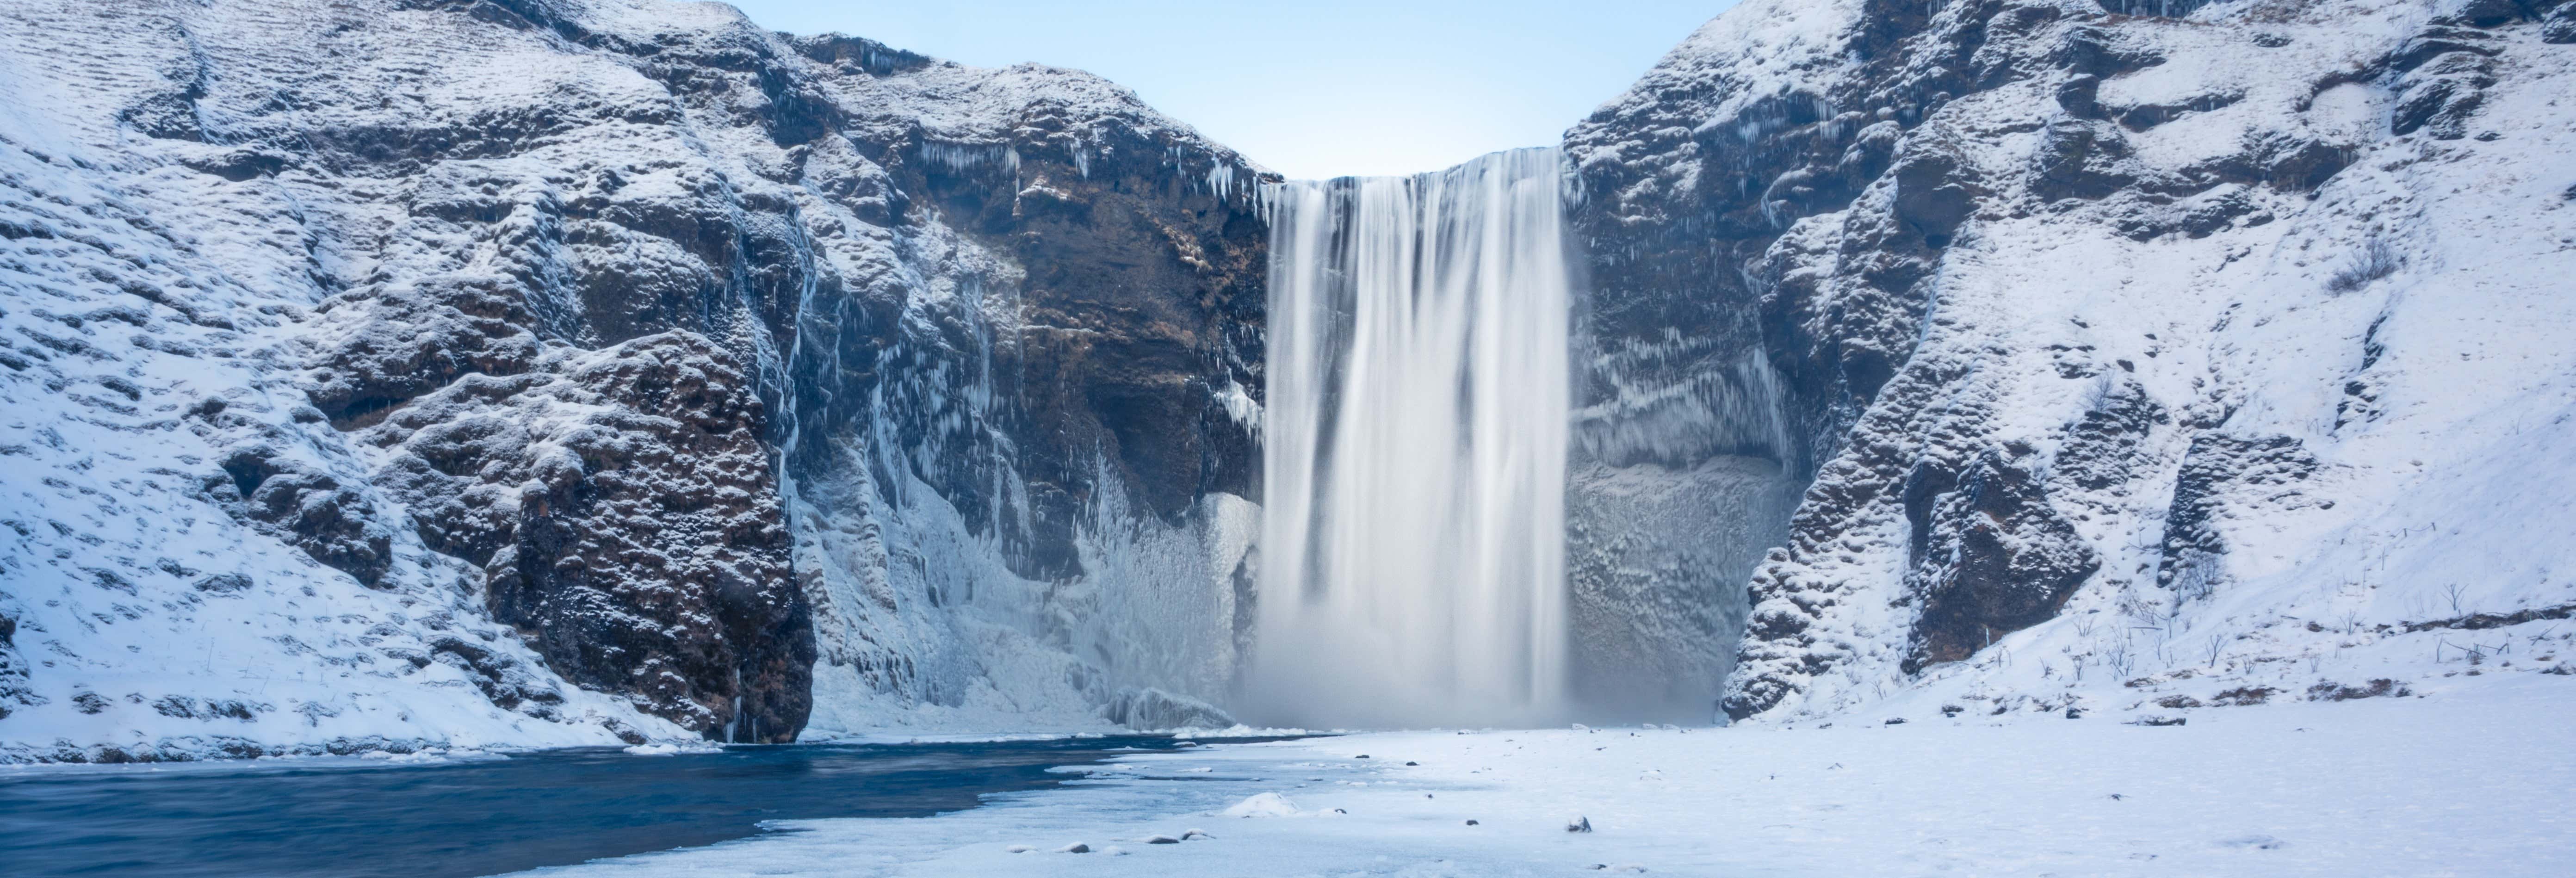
{"x":530,"y":372}
{"x":2131,"y":356}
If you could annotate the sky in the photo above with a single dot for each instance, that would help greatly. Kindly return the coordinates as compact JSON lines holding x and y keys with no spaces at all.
{"x":1317,"y":89}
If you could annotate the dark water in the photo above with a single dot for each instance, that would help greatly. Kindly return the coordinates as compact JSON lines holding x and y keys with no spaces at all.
{"x":545,"y":808}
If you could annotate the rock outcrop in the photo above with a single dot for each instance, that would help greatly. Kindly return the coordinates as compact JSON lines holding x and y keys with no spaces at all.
{"x":676,"y":358}
{"x":2041,"y":301}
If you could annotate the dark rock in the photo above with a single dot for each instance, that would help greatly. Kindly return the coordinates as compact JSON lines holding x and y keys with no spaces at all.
{"x":642,"y":546}
{"x":2560,"y":27}
{"x":2244,"y":695}
{"x":2078,"y":159}
{"x":416,"y":339}
{"x":2444,"y":73}
{"x":2157,"y":8}
{"x":240,"y":164}
{"x":2215,"y":465}
{"x":2299,"y":163}
{"x":1932,"y":193}
{"x":2487,"y":13}
{"x":224,"y":583}
{"x":2380,"y":688}
{"x":2105,"y":447}
{"x":2099,"y":52}
{"x":2080,"y":96}
{"x":337,"y":525}
{"x":2197,"y":216}
{"x":2140,"y":117}
{"x":1992,"y":556}
{"x":2440,"y":106}
{"x":2424,"y":48}
{"x":1579,"y":824}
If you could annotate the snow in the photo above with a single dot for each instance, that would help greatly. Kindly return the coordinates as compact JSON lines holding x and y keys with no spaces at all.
{"x":2467,"y":779}
{"x":2426,"y":404}
{"x":1261,"y":805}
{"x":100,"y":459}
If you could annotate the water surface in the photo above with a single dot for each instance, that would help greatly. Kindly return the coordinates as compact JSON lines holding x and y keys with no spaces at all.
{"x":359,"y":819}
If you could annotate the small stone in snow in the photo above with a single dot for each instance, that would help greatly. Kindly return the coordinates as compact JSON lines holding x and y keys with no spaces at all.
{"x":1895,"y":720}
{"x":1074,"y":848}
{"x":1579,"y":824}
{"x":1196,"y":834}
{"x":1361,"y":756}
{"x":1019,"y":849}
{"x":2072,"y":713}
{"x":1413,"y":763}
{"x":1162,"y":839}
{"x":1471,"y":823}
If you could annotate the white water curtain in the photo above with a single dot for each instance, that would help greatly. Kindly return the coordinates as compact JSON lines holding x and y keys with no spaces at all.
{"x":1413,"y":547}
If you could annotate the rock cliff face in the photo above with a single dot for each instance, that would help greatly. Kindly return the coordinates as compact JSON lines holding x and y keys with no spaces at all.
{"x":2078,"y":325}
{"x":649,"y":352}
{"x":399,"y":374}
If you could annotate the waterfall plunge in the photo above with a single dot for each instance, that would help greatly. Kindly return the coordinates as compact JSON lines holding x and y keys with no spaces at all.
{"x":1413,"y":550}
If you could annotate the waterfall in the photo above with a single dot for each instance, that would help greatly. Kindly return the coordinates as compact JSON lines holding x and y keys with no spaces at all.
{"x":1413,"y":547}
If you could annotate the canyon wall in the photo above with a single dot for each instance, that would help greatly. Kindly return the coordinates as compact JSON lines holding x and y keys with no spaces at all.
{"x":2125,"y":343}
{"x":554,"y":371}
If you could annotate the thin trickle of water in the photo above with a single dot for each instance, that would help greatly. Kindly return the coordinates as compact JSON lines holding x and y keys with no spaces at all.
{"x":1413,"y":566}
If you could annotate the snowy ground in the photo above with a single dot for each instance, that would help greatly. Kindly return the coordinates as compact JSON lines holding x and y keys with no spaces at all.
{"x":2471,"y":777}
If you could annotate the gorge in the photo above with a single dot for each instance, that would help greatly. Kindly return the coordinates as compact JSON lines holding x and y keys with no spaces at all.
{"x":411,"y":375}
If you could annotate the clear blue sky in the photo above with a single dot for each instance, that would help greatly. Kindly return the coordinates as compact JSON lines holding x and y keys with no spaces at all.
{"x":1314,"y":89}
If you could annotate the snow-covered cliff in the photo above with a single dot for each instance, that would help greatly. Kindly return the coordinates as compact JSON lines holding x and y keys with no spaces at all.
{"x":388,"y":374}
{"x":450,"y":372}
{"x":2124,"y":353}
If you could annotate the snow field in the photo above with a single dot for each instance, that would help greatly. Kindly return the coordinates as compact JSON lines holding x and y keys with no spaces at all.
{"x":2470,"y":780}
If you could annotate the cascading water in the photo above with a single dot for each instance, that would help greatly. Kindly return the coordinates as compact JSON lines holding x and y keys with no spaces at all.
{"x":1413,"y":548}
